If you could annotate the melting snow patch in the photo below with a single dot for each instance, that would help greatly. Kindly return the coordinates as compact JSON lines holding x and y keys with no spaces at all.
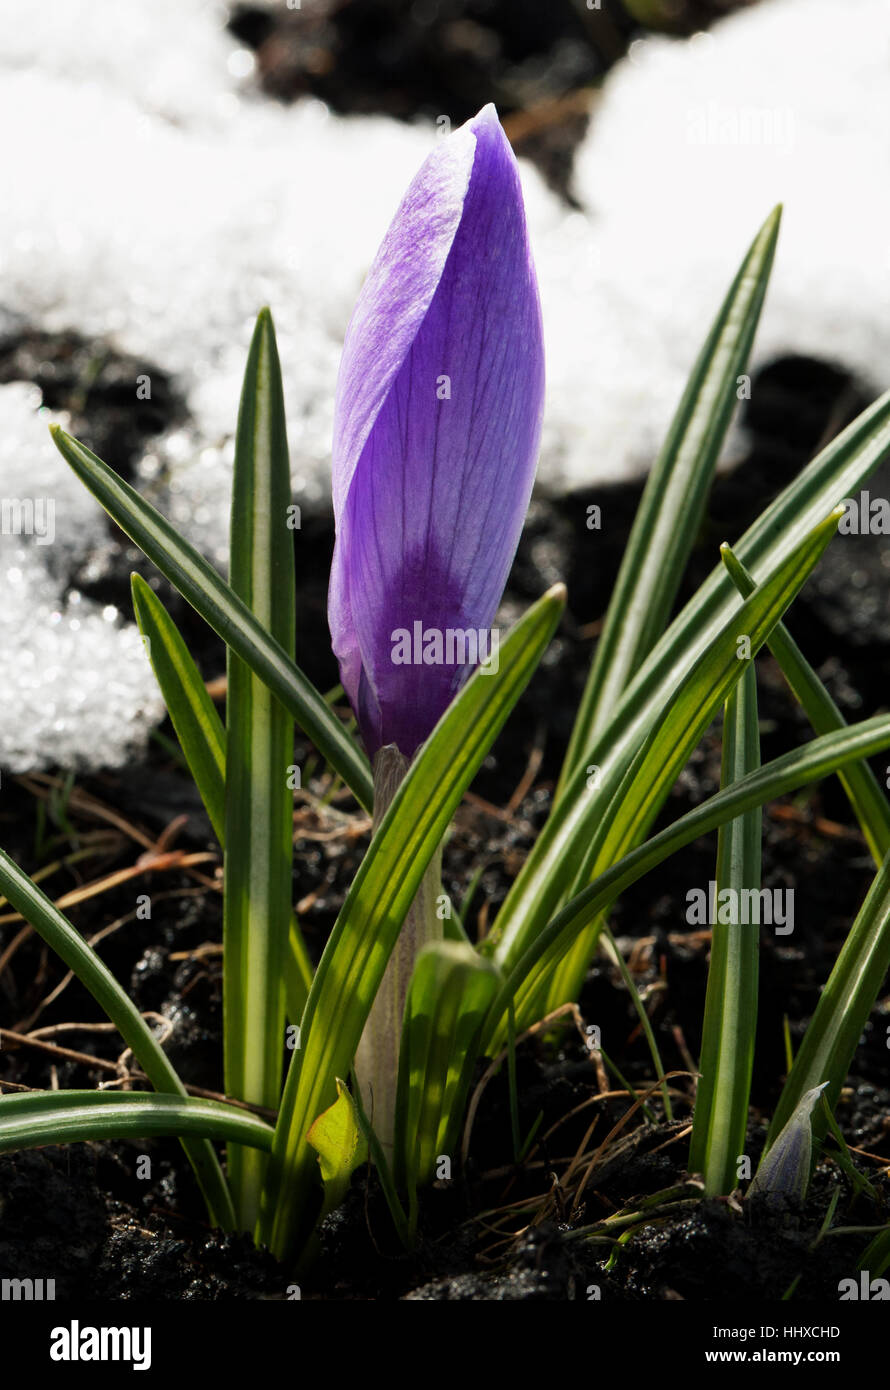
{"x":691,"y":146}
{"x":76,"y":688}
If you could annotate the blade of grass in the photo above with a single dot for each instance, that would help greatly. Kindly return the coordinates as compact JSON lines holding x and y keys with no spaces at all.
{"x":833,"y":1033}
{"x":798,"y":768}
{"x":94,"y":975}
{"x":207,"y":592}
{"x":729,"y":1029}
{"x":645,"y":1021}
{"x":834,"y":474}
{"x":843,"y":1158}
{"x":512,"y":1086}
{"x":827,"y":1219}
{"x":65,"y":1117}
{"x":366,"y":930}
{"x":549,"y":870}
{"x":203,"y":738}
{"x":258,"y":858}
{"x":649,"y":777}
{"x":672,"y":504}
{"x":192,"y":712}
{"x":868,"y":801}
{"x":298,"y":971}
{"x":876,"y":1256}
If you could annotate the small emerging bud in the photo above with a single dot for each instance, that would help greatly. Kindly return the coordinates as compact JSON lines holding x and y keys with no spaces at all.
{"x":784,"y":1170}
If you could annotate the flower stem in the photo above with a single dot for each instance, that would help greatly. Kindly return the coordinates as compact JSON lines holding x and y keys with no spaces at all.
{"x":377,"y":1057}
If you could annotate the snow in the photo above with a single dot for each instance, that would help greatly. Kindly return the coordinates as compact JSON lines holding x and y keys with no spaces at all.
{"x":75,"y":684}
{"x":690,"y":148}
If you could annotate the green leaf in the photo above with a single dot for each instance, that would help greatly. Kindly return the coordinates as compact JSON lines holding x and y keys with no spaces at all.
{"x":337,"y":1138}
{"x":795,"y":769}
{"x":730,"y":1024}
{"x":639,"y":788}
{"x":203,"y":740}
{"x":671,"y":507}
{"x":548,"y":872}
{"x":365,"y":932}
{"x":844,"y":1159}
{"x":845,"y":1003}
{"x":876,"y":1256}
{"x":298,"y":971}
{"x":37,"y":1118}
{"x":864,"y":793}
{"x":193,"y":714}
{"x":821,"y":487}
{"x":258,"y":861}
{"x":449,"y":997}
{"x":636,"y":999}
{"x":201,"y":585}
{"x":94,"y":975}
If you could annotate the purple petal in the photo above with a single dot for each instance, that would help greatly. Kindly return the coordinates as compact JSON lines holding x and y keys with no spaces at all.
{"x":437,"y":425}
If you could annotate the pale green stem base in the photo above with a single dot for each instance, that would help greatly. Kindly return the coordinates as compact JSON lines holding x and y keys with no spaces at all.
{"x":377,"y":1057}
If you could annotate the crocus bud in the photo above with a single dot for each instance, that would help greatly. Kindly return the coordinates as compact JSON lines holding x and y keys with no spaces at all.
{"x":785,"y":1167}
{"x":437,"y":423}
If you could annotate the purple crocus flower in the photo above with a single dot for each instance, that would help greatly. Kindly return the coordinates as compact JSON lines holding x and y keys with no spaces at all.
{"x":436,"y":431}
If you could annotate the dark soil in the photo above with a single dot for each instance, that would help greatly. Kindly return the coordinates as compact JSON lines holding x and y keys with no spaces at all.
{"x":96,"y":386}
{"x":538,"y":63}
{"x":82,"y":1215}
